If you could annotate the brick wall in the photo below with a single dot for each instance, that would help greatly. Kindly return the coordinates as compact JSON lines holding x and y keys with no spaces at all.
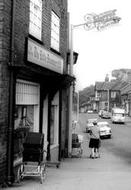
{"x":21,"y":30}
{"x":22,"y":25}
{"x":4,"y":83}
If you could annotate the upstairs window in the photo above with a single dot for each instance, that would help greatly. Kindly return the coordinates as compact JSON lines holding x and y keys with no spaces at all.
{"x":98,"y":94}
{"x":113,"y":94}
{"x":35,"y":25}
{"x":55,"y":31}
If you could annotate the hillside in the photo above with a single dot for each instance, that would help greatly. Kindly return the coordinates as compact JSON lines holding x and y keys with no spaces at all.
{"x":85,"y":94}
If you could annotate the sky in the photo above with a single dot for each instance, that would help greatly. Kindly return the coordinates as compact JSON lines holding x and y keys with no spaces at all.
{"x":100,"y":52}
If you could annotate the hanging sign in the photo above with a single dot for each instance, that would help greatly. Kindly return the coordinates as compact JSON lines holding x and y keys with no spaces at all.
{"x":102,"y":20}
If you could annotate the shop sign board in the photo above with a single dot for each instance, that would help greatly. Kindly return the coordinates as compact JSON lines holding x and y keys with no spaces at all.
{"x":37,"y":54}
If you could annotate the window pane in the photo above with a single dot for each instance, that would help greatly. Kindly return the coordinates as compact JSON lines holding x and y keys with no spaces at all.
{"x":55,"y":31}
{"x":35,"y":25}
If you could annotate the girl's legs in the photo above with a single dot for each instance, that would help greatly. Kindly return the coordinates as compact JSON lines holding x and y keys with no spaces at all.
{"x":96,"y":152}
{"x":92,"y":153}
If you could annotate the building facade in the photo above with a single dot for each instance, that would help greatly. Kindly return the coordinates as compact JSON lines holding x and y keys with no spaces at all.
{"x":126,"y":98}
{"x":107,"y":95}
{"x":34,"y":79}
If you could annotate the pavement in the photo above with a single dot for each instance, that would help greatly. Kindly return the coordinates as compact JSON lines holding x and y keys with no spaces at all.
{"x":105,"y":173}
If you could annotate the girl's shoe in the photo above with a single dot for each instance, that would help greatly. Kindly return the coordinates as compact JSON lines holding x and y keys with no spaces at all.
{"x":92,"y":156}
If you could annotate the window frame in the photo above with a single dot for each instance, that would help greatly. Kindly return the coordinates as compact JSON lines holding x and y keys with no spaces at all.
{"x":113,"y":94}
{"x":55,"y":31}
{"x":35,"y":19}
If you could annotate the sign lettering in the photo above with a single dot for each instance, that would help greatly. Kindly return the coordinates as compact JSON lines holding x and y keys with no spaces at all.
{"x":39,"y":55}
{"x":102,"y":20}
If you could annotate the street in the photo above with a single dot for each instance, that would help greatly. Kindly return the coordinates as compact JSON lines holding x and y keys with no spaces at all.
{"x":111,"y":171}
{"x":120,"y":143}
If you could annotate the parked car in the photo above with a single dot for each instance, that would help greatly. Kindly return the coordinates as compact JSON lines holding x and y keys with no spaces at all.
{"x":90,"y":124}
{"x":105,"y":129}
{"x":106,"y":114}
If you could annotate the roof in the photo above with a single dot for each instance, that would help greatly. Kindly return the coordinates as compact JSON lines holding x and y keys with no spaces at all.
{"x":117,"y":85}
{"x":126,"y":89}
{"x":102,"y":85}
{"x":112,"y":85}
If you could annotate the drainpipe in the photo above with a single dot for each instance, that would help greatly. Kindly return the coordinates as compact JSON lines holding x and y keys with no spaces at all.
{"x":10,"y":154}
{"x":41,"y":109}
{"x":60,"y":121}
{"x":108,"y":99}
{"x":48,"y":130}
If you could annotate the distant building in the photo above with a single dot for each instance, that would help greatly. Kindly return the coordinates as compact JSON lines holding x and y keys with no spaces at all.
{"x":126,"y":98}
{"x":107,"y":94}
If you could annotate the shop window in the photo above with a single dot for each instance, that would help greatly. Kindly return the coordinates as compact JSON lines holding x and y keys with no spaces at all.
{"x":55,"y":31}
{"x":27,"y":105}
{"x":24,"y":117}
{"x":35,"y":22}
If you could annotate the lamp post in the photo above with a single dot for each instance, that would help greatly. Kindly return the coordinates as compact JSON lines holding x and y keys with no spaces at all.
{"x":70,"y":94}
{"x":108,"y":100}
{"x":98,"y":21}
{"x":78,"y":106}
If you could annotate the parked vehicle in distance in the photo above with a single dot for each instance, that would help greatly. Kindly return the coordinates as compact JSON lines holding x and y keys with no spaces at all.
{"x":100,"y":113}
{"x":89,"y":111}
{"x":106,"y":114}
{"x":118,"y":115}
{"x":105,"y":129}
{"x":90,"y":124}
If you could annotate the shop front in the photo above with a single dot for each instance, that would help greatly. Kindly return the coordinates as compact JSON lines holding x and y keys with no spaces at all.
{"x":38,"y":101}
{"x":26,"y":117}
{"x":50,"y":110}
